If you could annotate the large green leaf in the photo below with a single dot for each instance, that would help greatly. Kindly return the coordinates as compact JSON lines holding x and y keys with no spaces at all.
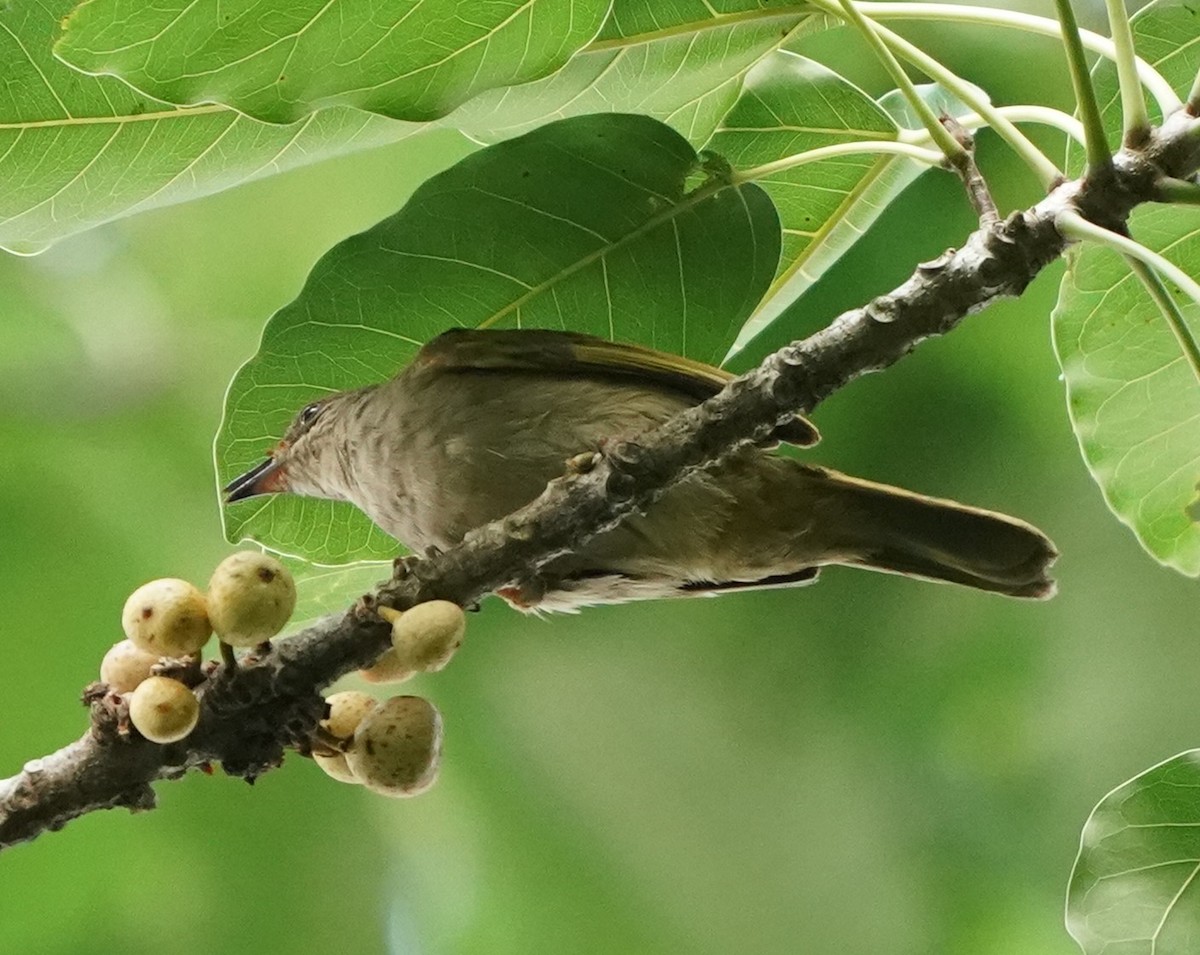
{"x":278,"y":61}
{"x":603,"y":224}
{"x":1133,"y":395}
{"x":792,"y":105}
{"x":76,"y":151}
{"x":682,"y":63}
{"x":1134,"y":889}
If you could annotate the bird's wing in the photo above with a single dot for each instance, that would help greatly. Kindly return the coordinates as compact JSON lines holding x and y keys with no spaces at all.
{"x":558,"y":352}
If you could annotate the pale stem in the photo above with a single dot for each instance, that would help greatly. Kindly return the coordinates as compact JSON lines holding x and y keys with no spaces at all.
{"x":1098,"y":154}
{"x":1041,"y":115}
{"x":1168,"y":101}
{"x":954,"y":150}
{"x":1135,"y":119}
{"x":928,"y":157}
{"x":1047,"y":173}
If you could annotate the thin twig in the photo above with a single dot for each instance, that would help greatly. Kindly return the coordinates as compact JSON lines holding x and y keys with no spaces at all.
{"x":978,"y":192}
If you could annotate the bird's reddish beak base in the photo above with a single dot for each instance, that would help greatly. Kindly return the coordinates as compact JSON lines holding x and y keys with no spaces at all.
{"x":266,"y":478}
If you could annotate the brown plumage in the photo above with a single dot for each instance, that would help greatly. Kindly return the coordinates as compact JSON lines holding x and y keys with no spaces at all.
{"x":480,"y":421}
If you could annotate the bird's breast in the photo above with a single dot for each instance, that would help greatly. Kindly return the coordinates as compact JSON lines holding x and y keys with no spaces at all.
{"x":462,"y":449}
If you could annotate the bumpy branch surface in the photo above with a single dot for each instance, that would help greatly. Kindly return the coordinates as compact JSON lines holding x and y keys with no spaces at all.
{"x":249,"y":715}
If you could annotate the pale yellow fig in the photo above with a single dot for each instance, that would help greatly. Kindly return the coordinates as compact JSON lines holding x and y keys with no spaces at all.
{"x":250,"y":598}
{"x":426,"y":636}
{"x":388,"y":668}
{"x":167,"y":618}
{"x":125,"y":666}
{"x":163,"y":710}
{"x":346,"y":711}
{"x":397,"y":747}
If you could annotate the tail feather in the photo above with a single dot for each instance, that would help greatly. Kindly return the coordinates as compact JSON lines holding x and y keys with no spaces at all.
{"x":906,"y":533}
{"x":762,"y":522}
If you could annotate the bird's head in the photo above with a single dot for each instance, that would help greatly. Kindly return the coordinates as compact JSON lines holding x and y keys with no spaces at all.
{"x":312,"y":459}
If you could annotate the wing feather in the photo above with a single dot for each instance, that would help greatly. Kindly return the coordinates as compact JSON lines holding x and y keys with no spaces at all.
{"x":557,"y":352}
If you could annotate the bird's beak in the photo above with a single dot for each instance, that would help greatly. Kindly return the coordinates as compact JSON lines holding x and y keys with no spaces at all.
{"x":266,"y":478}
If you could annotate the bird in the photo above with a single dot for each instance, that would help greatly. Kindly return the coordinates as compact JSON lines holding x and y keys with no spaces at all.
{"x":480,"y":420}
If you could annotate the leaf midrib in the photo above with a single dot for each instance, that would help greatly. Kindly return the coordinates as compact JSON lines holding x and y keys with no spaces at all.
{"x":700,"y":26}
{"x":173,"y":113}
{"x":689,"y":201}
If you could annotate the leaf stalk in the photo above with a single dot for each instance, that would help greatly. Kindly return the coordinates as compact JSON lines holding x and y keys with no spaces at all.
{"x":1164,"y":95}
{"x":1135,"y":118}
{"x":1098,"y":154}
{"x":954,"y":151}
{"x":927,"y":156}
{"x":1047,"y":172}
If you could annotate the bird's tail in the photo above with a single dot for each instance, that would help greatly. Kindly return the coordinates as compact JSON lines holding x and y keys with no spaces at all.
{"x":890,"y":529}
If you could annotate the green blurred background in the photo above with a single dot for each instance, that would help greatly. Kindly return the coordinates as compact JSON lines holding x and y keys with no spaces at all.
{"x":872,"y":765}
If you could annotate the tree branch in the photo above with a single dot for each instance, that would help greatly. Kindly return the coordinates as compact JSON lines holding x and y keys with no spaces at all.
{"x":251,"y":714}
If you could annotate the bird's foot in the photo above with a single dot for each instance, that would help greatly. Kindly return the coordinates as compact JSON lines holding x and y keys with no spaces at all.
{"x":404,"y":567}
{"x":525,"y":595}
{"x":409,"y":565}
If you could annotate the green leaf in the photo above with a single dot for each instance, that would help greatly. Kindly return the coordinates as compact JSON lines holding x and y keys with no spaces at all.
{"x":279,"y":61}
{"x":76,"y":151}
{"x":1133,"y":396}
{"x":793,"y":105}
{"x":681,"y":63}
{"x":1135,"y":888}
{"x":321,"y":588}
{"x":603,"y":224}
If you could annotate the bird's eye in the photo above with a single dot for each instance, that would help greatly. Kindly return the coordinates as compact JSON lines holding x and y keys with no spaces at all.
{"x":309,"y":414}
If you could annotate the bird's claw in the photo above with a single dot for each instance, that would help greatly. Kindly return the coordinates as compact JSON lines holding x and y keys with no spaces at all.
{"x":364,"y":606}
{"x":403,"y":567}
{"x":406,"y":566}
{"x":526,"y":594}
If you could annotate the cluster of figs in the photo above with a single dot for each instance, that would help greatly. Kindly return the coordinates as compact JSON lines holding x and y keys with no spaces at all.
{"x":392,"y":747}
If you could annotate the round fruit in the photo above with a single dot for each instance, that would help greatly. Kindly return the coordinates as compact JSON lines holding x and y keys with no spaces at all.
{"x":250,"y":598}
{"x":397,"y":747}
{"x":163,"y":710}
{"x":346,"y":711}
{"x":167,"y":618}
{"x":125,"y":666}
{"x":389,"y":668}
{"x":426,"y":636}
